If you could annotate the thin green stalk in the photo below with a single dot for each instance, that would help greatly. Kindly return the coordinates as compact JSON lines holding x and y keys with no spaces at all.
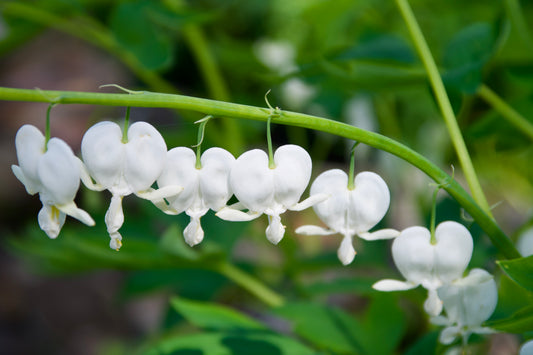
{"x":507,"y":112}
{"x":126,"y":126}
{"x":232,"y":110}
{"x":351,"y":173}
{"x":434,"y":215}
{"x":444,"y":104}
{"x":47,"y":128}
{"x":271,"y":163}
{"x":249,"y":283}
{"x":519,"y":22}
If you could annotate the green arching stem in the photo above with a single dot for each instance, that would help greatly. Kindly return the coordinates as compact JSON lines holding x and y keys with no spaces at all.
{"x":507,"y":112}
{"x":444,"y":105}
{"x":47,"y":129}
{"x":351,"y":173}
{"x":232,"y":110}
{"x":516,"y":16}
{"x":271,"y":163}
{"x":249,"y":283}
{"x":126,"y":126}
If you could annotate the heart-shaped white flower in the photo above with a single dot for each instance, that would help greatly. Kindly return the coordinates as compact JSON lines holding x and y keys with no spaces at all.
{"x":427,"y":264}
{"x":204,"y":188}
{"x":350,"y":212}
{"x":124,"y":167}
{"x":271,"y":191}
{"x":53,"y":172}
{"x":468,"y":302}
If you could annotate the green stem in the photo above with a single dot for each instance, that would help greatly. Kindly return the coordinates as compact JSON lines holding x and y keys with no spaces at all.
{"x":232,"y":110}
{"x":47,"y":128}
{"x":519,"y":22}
{"x":126,"y":126}
{"x":434,"y":216}
{"x":271,"y":163}
{"x":201,"y":132}
{"x":249,"y":283}
{"x":507,"y":112}
{"x":444,"y":104}
{"x":351,"y":173}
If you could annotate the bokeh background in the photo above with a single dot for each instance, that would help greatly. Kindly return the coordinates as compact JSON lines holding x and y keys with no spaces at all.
{"x":346,"y":60}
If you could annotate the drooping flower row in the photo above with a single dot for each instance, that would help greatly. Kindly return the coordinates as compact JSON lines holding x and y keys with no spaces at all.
{"x":131,"y":163}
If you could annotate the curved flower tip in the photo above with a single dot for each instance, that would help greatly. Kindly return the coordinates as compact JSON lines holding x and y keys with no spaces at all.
{"x":346,"y":251}
{"x":193,"y":233}
{"x":51,"y":220}
{"x":388,"y":285}
{"x":275,"y":229}
{"x":116,"y":241}
{"x":433,"y":304}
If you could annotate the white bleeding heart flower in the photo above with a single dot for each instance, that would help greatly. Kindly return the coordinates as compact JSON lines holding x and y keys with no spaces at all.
{"x":271,"y":191}
{"x":526,"y":348}
{"x":123,"y":167}
{"x":468,"y":302}
{"x":204,"y":188}
{"x":348,"y":211}
{"x":429,"y":264}
{"x":53,"y":172}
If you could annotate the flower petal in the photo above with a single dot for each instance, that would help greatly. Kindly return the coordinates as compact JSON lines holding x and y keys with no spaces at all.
{"x":393,"y":285}
{"x":114,"y":217}
{"x":193,"y":233}
{"x":51,"y":220}
{"x":275,"y":230}
{"x":103,"y":154}
{"x":214,"y":177}
{"x":29,"y":143}
{"x":433,"y":304}
{"x":252,"y":181}
{"x":292,"y":174}
{"x":346,"y":251}
{"x":449,"y":334}
{"x":72,"y":210}
{"x":17,"y":171}
{"x":380,"y":234}
{"x":314,"y":230}
{"x":59,"y":172}
{"x":413,"y":255}
{"x":333,"y":210}
{"x":233,"y":215}
{"x":308,"y":202}
{"x":452,"y":251}
{"x":145,"y":156}
{"x":368,"y":201}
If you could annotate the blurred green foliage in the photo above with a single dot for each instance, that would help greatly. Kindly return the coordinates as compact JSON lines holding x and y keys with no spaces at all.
{"x":339,"y":50}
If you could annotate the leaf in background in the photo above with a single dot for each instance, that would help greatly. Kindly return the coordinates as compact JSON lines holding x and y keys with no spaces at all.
{"x":325,"y":327}
{"x":359,"y":285}
{"x":519,"y":270}
{"x":519,"y":322}
{"x":212,"y":316}
{"x":133,"y":28}
{"x":380,"y":47}
{"x":229,"y":344}
{"x":466,"y":55}
{"x":383,"y":320}
{"x":427,"y":344}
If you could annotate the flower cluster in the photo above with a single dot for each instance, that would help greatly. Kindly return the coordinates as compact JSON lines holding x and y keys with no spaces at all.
{"x":133,"y":161}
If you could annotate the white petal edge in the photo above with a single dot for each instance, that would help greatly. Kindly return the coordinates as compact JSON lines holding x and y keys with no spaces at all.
{"x":159,"y":194}
{"x":17,"y":171}
{"x":233,"y":215}
{"x":346,"y":251}
{"x":314,"y":230}
{"x":387,"y":233}
{"x":308,"y":202}
{"x":388,"y":285}
{"x":72,"y":210}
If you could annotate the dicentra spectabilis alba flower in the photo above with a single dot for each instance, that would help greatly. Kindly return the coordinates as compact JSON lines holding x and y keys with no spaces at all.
{"x":429,"y":264}
{"x":53,"y":172}
{"x":468,"y":302}
{"x":204,"y":188}
{"x":526,"y":348}
{"x":348,"y":211}
{"x":124,"y":167}
{"x":262,"y":189}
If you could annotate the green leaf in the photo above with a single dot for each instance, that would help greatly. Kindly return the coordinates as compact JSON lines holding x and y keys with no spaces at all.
{"x":519,"y":270}
{"x":230,"y":344}
{"x":379,"y":47}
{"x":357,"y":285}
{"x":383,"y":320}
{"x":133,"y":27}
{"x":427,"y":344}
{"x":520,"y":322}
{"x":466,"y":55}
{"x":207,"y":315}
{"x":328,"y":328}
